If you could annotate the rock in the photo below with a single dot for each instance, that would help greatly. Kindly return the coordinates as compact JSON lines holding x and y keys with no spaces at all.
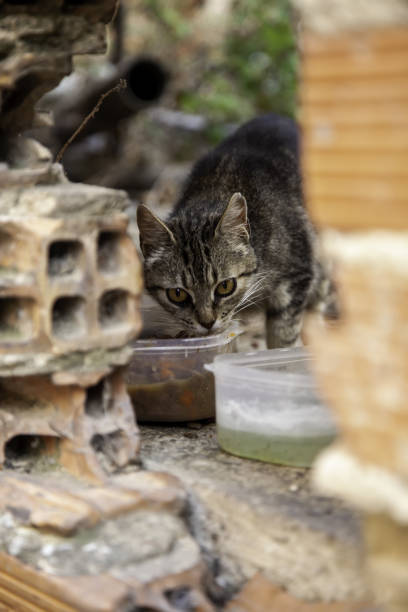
{"x":21,"y":35}
{"x":260,"y":595}
{"x":113,"y":548}
{"x":61,"y":200}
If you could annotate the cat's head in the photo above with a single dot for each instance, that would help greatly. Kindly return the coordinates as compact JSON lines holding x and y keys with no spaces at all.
{"x":201,"y":270}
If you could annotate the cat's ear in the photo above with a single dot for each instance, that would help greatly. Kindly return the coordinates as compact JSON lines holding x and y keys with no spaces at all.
{"x":154,"y":234}
{"x":235,"y":217}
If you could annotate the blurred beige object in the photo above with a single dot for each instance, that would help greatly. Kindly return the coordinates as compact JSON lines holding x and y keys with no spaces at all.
{"x":387,"y":559}
{"x":354,"y":117}
{"x":383,"y":498}
{"x":369,"y":487}
{"x":362,"y":363}
{"x":362,"y":368}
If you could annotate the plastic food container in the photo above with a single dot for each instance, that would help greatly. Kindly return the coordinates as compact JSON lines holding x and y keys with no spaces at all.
{"x":268,"y":408}
{"x":167,"y":380}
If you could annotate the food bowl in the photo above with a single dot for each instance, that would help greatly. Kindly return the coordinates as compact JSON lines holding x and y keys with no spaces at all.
{"x":268,"y":407}
{"x":166,"y":378}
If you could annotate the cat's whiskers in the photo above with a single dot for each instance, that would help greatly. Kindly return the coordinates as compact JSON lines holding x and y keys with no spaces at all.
{"x":251,"y":297}
{"x":255,"y":290}
{"x":251,"y":304}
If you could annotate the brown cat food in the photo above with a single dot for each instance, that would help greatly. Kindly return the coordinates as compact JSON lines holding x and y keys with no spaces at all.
{"x":183,"y":399}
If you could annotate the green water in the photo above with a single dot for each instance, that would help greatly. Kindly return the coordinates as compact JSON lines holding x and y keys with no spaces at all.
{"x":285,"y":450}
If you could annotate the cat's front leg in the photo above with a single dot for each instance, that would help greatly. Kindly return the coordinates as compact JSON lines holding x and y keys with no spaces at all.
{"x":283,"y":328}
{"x":285,"y":308}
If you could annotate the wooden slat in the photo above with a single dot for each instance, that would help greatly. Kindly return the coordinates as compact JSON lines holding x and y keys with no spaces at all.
{"x":355,"y":214}
{"x":368,"y":164}
{"x":359,"y":138}
{"x":386,"y":113}
{"x":16,"y":604}
{"x":71,"y":593}
{"x":354,"y":117}
{"x":370,"y":190}
{"x":355,"y":66}
{"x":365,"y":90}
{"x":14,"y":589}
{"x":381,"y":39}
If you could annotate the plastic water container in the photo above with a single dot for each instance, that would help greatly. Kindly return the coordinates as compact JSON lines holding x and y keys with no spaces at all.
{"x":268,"y":407}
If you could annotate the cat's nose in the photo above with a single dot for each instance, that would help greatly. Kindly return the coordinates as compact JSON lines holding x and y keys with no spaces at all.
{"x":207,"y":324}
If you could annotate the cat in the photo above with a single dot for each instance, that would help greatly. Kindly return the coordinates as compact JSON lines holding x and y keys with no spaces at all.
{"x":239,"y":235}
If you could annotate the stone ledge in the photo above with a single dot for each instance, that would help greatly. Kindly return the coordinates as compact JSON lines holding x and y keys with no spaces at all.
{"x":249,"y":516}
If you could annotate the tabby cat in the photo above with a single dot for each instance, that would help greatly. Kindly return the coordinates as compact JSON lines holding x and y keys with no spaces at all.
{"x":237,"y":236}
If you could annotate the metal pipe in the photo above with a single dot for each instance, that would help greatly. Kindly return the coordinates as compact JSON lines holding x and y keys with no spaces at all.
{"x":146,"y":80}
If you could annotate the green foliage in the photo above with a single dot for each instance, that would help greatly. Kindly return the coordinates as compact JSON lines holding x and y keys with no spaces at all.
{"x":260,"y":52}
{"x":255,"y":72}
{"x":258,"y":69}
{"x":169,"y":17}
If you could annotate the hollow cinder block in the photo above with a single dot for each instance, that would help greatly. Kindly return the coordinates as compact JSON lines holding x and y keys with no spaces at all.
{"x":89,"y":431}
{"x":78,"y":284}
{"x":70,"y":284}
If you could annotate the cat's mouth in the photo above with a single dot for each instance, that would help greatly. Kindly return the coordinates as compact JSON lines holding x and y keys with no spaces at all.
{"x":214,"y":329}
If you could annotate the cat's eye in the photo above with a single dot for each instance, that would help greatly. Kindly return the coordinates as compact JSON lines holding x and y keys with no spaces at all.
{"x":226,"y":287}
{"x":177,"y":295}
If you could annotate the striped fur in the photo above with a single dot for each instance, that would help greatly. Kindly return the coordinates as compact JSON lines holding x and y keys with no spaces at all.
{"x":240,"y":217}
